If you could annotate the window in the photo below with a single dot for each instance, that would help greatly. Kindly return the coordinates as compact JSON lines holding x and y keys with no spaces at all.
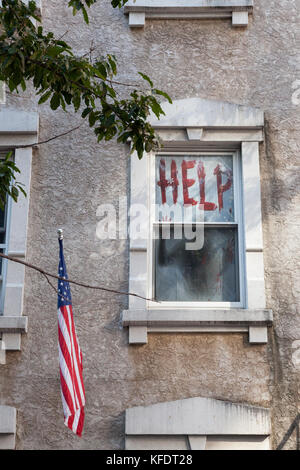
{"x":206,"y":180}
{"x":17,"y":128}
{"x":198,"y":197}
{"x":236,"y":10}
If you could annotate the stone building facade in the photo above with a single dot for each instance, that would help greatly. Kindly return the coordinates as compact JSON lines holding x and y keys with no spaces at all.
{"x":199,"y":372}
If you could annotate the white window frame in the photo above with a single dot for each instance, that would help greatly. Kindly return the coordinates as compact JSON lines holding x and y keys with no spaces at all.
{"x":196,"y":125}
{"x":17,"y":129}
{"x":2,"y":93}
{"x":140,"y":10}
{"x":238,"y":211}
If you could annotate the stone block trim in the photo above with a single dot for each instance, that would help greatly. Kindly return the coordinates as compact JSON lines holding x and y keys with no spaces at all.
{"x":8,"y":423}
{"x":140,"y":10}
{"x":193,"y":422}
{"x":141,"y":322}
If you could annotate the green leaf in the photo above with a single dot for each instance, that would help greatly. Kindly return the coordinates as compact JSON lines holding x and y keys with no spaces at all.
{"x":76,"y":101}
{"x":55,"y":101}
{"x":8,"y":155}
{"x":164,"y":94}
{"x":109,"y":121}
{"x":23,"y":84}
{"x":145,"y":77}
{"x":112,"y":64}
{"x":54,"y":51}
{"x":156,"y":108}
{"x":85,"y":15}
{"x":22,"y":190}
{"x":85,"y":112}
{"x":100,"y":71}
{"x":14,"y":193}
{"x":44,"y":97}
{"x":92,"y":118}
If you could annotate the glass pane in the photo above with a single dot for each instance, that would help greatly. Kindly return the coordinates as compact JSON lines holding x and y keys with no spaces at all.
{"x":2,"y":218}
{"x":210,"y":274}
{"x":201,"y":181}
{"x":2,"y":225}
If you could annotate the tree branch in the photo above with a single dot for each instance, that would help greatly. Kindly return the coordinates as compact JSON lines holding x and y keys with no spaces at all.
{"x":88,"y":286}
{"x":48,"y":140}
{"x":54,"y":288}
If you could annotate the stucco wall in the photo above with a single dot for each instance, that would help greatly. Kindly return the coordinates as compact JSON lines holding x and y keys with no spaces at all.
{"x":72,"y":175}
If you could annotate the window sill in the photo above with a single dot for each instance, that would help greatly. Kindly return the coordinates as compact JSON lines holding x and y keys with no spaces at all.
{"x":16,"y":324}
{"x":237,"y":10}
{"x":8,"y":418}
{"x":11,"y":329}
{"x":141,"y":322}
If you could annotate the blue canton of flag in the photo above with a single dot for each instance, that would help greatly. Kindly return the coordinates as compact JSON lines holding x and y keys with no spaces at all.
{"x":63,"y":286}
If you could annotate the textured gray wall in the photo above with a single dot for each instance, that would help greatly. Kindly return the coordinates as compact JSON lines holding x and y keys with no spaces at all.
{"x":71,"y":176}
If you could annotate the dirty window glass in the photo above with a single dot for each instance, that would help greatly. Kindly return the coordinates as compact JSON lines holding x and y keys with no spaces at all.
{"x":206,"y":275}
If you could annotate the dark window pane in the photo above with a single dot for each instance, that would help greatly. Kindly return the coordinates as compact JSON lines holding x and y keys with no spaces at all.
{"x":2,"y":218}
{"x":210,"y":274}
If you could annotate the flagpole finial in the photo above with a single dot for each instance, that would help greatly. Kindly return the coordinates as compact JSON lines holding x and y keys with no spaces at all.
{"x":60,"y":234}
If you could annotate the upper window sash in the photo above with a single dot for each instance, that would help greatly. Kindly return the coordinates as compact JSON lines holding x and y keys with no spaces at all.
{"x":195,"y":188}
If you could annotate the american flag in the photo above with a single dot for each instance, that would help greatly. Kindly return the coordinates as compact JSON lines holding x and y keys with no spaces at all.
{"x":70,"y":356}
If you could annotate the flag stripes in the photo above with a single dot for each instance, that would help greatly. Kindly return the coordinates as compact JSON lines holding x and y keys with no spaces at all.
{"x":70,"y":357}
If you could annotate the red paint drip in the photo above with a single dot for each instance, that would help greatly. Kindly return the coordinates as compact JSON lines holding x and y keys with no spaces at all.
{"x":222,"y":187}
{"x":164,"y":183}
{"x":187,"y":183}
{"x":175,"y":182}
{"x":208,"y":206}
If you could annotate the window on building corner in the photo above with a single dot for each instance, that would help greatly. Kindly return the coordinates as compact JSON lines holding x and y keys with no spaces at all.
{"x":197,"y":229}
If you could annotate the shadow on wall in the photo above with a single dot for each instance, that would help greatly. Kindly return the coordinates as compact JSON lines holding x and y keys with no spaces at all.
{"x":282,"y":192}
{"x":295,"y":426}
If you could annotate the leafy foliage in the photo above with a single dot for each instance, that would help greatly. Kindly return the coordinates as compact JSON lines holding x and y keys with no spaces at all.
{"x":28,"y":54}
{"x":8,"y":184}
{"x":79,"y":5}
